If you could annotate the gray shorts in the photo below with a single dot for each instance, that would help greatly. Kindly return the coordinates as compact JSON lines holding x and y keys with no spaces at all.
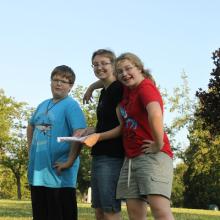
{"x":149,"y":174}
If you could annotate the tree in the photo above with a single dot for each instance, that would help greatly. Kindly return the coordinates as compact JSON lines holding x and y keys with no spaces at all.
{"x":202,"y":157}
{"x":180,"y":104}
{"x":203,"y":168}
{"x":210,"y":100}
{"x":196,"y":180}
{"x":13,"y":146}
{"x":15,"y":159}
{"x":7,"y":184}
{"x":8,"y":111}
{"x":178,"y":189}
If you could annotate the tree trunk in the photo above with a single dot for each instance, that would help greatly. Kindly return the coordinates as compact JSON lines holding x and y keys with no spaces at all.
{"x":18,"y":179}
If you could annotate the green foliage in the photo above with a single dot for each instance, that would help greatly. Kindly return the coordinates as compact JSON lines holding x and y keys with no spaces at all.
{"x":201,"y":168}
{"x":178,"y":189}
{"x":15,"y":159}
{"x":8,"y":185}
{"x":8,"y":111}
{"x":203,"y":174}
{"x":13,"y":155}
{"x":180,"y":104}
{"x":202,"y":157}
{"x":88,"y":109}
{"x":210,"y":100}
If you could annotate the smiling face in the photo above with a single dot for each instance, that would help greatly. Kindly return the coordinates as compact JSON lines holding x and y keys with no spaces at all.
{"x":102,"y":67}
{"x":128,"y":73}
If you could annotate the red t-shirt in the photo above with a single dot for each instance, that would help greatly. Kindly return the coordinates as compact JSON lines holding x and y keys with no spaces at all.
{"x":135,"y":117}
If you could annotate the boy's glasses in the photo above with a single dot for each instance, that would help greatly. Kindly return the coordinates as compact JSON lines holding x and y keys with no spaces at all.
{"x":60,"y":81}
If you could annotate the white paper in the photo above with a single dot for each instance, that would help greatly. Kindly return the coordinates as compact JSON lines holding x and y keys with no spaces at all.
{"x":78,"y":139}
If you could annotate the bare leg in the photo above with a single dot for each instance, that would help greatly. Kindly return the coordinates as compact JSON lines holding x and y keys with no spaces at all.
{"x":160,"y":207}
{"x":137,"y":209}
{"x":100,"y":215}
{"x":112,"y":215}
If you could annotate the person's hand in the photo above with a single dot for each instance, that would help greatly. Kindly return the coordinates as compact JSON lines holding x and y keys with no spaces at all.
{"x":80,"y":132}
{"x":91,"y":140}
{"x":61,"y":166}
{"x":88,"y":96}
{"x":150,"y":146}
{"x":84,"y":132}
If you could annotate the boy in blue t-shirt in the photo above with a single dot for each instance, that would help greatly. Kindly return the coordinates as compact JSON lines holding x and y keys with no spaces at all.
{"x":53,"y":166}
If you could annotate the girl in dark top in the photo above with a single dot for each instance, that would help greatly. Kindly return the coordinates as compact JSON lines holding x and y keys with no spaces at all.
{"x":108,"y":155}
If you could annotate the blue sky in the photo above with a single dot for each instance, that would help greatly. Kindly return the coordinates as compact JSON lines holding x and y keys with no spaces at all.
{"x":169,"y":36}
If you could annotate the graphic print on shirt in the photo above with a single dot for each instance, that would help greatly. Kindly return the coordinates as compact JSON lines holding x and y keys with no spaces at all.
{"x":129,"y":122}
{"x":43,"y":124}
{"x":130,"y":125}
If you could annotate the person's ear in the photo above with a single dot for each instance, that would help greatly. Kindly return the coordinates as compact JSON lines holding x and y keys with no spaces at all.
{"x":71,"y":86}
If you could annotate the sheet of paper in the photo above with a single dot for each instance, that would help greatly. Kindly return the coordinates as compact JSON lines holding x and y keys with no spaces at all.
{"x":78,"y":139}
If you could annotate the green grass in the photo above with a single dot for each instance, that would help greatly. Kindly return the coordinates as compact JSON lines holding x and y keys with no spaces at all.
{"x":21,"y":210}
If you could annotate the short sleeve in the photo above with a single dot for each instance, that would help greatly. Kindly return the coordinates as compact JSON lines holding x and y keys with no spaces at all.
{"x":75,"y":117}
{"x":149,"y":93}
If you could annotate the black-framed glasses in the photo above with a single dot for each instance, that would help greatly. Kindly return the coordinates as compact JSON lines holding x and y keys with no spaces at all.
{"x":97,"y":65}
{"x":60,"y":81}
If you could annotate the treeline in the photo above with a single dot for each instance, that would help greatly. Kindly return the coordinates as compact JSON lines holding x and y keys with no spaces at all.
{"x":197,"y":177}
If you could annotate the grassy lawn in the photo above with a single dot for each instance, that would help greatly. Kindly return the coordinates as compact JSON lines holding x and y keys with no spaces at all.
{"x":21,"y":210}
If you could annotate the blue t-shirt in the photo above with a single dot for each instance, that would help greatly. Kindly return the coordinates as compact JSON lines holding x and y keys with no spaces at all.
{"x":52,"y":120}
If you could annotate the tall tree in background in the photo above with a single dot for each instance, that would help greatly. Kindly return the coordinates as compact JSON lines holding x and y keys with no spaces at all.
{"x":178,"y":189}
{"x":201,"y":179}
{"x":8,"y":111}
{"x":15,"y":159}
{"x":202,"y":157}
{"x":181,"y":107}
{"x":210,"y":100}
{"x":13,"y":144}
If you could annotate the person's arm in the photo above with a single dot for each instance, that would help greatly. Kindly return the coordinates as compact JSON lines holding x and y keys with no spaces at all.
{"x":29,"y":131}
{"x":88,"y":94}
{"x":84,"y":132}
{"x":75,"y":148}
{"x":115,"y":132}
{"x":92,"y":139}
{"x":155,"y":119}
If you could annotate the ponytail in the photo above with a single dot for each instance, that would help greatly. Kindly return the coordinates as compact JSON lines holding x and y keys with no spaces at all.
{"x":148,"y":75}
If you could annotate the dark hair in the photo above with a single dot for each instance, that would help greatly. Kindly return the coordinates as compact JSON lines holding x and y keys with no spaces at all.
{"x":107,"y":53}
{"x":64,"y":71}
